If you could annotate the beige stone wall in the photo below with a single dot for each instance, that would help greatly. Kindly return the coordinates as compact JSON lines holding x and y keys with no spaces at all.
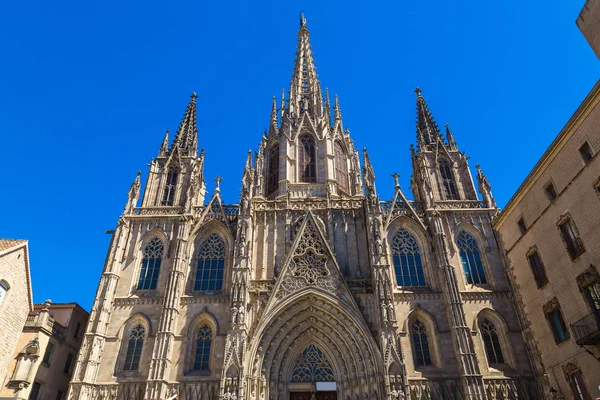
{"x":577,"y":197}
{"x":15,"y":306}
{"x":588,"y":22}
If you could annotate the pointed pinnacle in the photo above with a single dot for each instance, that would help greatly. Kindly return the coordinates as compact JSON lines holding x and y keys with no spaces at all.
{"x":337,"y":109}
{"x":249,"y":160}
{"x":274,"y":111}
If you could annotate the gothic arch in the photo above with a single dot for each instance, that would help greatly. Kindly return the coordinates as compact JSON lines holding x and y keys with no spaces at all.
{"x":432,"y":333}
{"x":482,"y":246}
{"x":272,"y":169}
{"x":122,"y":342}
{"x":204,"y":318}
{"x":145,"y":240}
{"x":448,"y":182}
{"x":307,"y":173}
{"x":503,"y":334}
{"x":312,"y":317}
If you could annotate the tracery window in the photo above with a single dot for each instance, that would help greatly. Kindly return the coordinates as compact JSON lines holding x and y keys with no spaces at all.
{"x":448,"y":180}
{"x":407,"y":259}
{"x":273,"y":170}
{"x":202,"y":353}
{"x":421,"y":355}
{"x":153,"y":253}
{"x":170,"y":187}
{"x":491,"y":342}
{"x":312,"y":366}
{"x":471,"y":259}
{"x":341,"y":167}
{"x":134,"y":348}
{"x":211,"y":264}
{"x":307,"y":158}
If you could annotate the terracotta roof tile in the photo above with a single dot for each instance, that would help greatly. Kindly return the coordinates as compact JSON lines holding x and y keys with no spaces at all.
{"x":8,"y":243}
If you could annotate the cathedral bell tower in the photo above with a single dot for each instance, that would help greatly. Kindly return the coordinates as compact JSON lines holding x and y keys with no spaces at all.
{"x":306,"y":152}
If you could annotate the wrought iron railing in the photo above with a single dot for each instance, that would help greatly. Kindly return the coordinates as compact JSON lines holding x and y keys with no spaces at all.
{"x":587,"y":329}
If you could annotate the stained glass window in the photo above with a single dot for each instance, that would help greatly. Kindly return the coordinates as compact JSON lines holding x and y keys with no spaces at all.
{"x":471,"y":259}
{"x":134,"y":348}
{"x":308,"y":158}
{"x":448,"y":180}
{"x":491,"y":342}
{"x":170,"y":186}
{"x":202,"y":354}
{"x":312,"y":366}
{"x":211,"y":264}
{"x":341,"y":167}
{"x":153,"y":254}
{"x":422,"y":355}
{"x":407,"y":260}
{"x":273,"y":170}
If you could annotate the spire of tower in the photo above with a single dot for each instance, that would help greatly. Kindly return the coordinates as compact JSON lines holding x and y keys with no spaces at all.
{"x":427,"y":129}
{"x":337,"y":110}
{"x":305,"y":93}
{"x":450,"y":138}
{"x":273,"y":126}
{"x":327,"y":106}
{"x":187,"y":134}
{"x":164,"y":147}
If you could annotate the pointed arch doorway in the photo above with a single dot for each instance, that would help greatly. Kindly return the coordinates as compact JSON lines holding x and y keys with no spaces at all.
{"x":312,"y":376}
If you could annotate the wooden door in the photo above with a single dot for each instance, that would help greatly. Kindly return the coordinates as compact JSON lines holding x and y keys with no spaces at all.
{"x":330,"y":395}
{"x":299,"y":395}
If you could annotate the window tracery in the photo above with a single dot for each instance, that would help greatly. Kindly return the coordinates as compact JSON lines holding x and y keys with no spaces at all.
{"x":273,"y":169}
{"x":422,"y":354}
{"x":448,"y":180}
{"x":151,"y":261}
{"x":407,"y":259}
{"x":211,"y":264}
{"x":341,"y":167}
{"x":471,"y":258}
{"x":134,"y":348}
{"x":202,"y":351}
{"x":170,"y":186}
{"x":491,"y":342}
{"x":308,"y":158}
{"x":312,"y":366}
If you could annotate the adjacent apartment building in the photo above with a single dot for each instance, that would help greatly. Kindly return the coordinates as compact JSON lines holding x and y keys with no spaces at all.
{"x":15,"y":298}
{"x":44,"y":359}
{"x":550,"y":232}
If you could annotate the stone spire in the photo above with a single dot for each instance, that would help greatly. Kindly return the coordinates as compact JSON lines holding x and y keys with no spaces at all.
{"x":337,"y":110}
{"x":164,"y":147}
{"x":273,"y":127}
{"x":427,"y":129}
{"x":187,"y":134}
{"x":305,"y":93}
{"x":450,"y":139}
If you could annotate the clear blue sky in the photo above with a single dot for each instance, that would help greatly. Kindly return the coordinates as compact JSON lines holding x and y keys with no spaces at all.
{"x":88,"y":88}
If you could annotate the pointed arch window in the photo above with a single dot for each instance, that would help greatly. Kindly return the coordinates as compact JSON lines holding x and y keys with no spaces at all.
{"x":134,"y":348}
{"x":448,"y":181}
{"x":202,"y":351}
{"x":312,"y":366}
{"x":153,"y":254}
{"x":273,"y":170}
{"x":407,"y":260}
{"x":307,"y":158}
{"x":168,"y":198}
{"x":491,"y":342}
{"x":341,"y":167}
{"x":421,"y":355}
{"x":471,"y":259}
{"x":211,"y":264}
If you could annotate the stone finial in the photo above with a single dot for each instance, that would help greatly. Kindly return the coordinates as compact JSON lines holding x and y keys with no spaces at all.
{"x":302,"y":19}
{"x":396,"y":176}
{"x":418,"y":91}
{"x":218,"y":180}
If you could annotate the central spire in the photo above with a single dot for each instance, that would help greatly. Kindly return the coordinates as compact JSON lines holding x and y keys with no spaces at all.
{"x":305,"y":88}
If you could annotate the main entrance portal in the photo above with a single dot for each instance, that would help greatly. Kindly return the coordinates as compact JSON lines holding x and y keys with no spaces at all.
{"x":330,"y":395}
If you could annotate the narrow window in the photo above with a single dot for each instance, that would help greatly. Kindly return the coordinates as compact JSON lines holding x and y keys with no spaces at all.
{"x":491,"y":342}
{"x":550,"y":191}
{"x":150,"y":270}
{"x":407,"y":260}
{"x":592,"y":293}
{"x":471,"y":259}
{"x":341,"y":168}
{"x":35,"y":391}
{"x":170,"y":187}
{"x":3,"y":290}
{"x":537,"y":267}
{"x":68,"y":364}
{"x":273,"y":170}
{"x":308,"y":158}
{"x":576,"y":382}
{"x":586,"y":152}
{"x":448,"y":180}
{"x":571,"y":238}
{"x":77,"y":329}
{"x":134,"y":348}
{"x":211,"y":264}
{"x":422,"y":355}
{"x":522,"y":226}
{"x":48,"y":354}
{"x":203,"y":342}
{"x":557,"y":324}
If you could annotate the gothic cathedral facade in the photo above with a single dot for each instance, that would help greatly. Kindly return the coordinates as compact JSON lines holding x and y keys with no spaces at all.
{"x":311,"y":281}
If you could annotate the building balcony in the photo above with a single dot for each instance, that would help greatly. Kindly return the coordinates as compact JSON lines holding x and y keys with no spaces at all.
{"x":587,"y":329}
